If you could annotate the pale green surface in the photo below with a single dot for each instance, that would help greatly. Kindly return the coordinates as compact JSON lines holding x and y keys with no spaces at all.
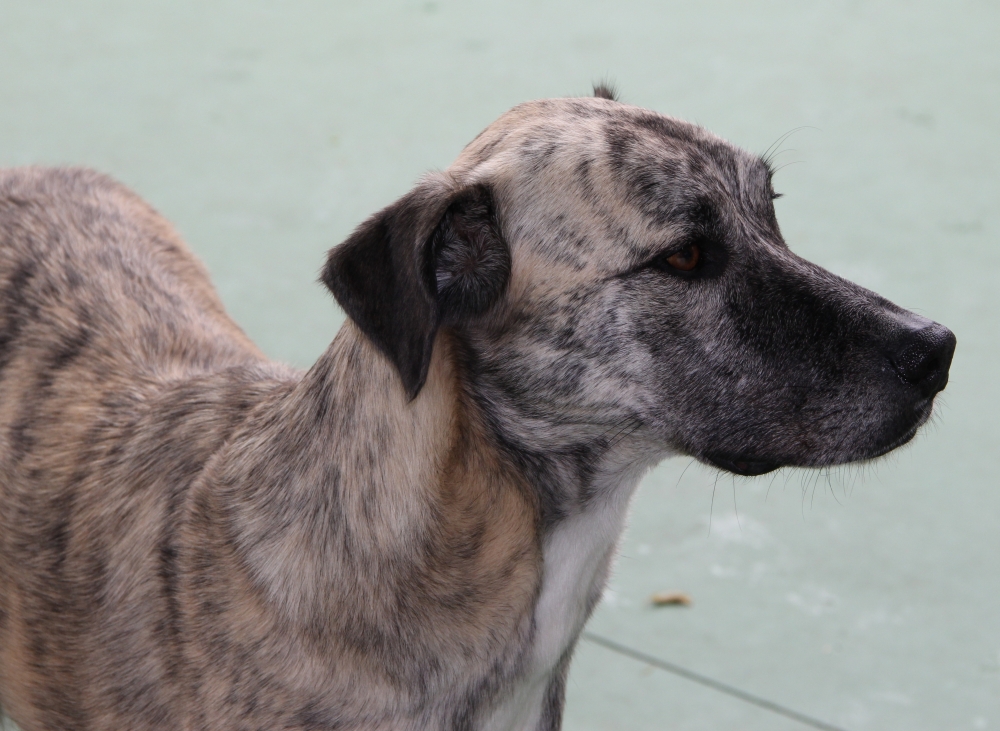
{"x":266,"y":131}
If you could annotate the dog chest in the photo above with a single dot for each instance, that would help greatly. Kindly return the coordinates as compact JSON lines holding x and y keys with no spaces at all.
{"x":577,"y":556}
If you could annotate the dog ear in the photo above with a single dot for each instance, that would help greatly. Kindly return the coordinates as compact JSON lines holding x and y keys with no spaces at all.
{"x":471,"y":258}
{"x":435,"y":255}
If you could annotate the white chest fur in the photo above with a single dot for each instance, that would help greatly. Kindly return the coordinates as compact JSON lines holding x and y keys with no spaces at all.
{"x":577,"y":554}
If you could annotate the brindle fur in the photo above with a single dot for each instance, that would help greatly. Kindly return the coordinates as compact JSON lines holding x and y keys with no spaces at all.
{"x":411,"y":534}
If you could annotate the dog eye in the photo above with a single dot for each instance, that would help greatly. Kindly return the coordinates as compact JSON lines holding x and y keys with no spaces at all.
{"x":686,"y":259}
{"x":695,"y":257}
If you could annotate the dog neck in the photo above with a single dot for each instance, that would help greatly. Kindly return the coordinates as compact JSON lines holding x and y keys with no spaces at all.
{"x":381,"y":500}
{"x":376,"y":505}
{"x":354,"y":414}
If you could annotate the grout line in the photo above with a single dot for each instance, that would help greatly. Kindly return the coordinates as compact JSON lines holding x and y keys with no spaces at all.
{"x":709,"y":682}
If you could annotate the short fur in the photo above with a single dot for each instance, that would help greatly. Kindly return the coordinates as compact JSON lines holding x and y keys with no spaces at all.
{"x":411,"y":534}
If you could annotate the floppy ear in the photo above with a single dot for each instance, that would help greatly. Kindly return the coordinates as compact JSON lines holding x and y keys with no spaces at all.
{"x":435,"y":255}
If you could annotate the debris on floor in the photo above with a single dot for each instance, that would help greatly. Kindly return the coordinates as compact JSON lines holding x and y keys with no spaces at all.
{"x":670,"y":599}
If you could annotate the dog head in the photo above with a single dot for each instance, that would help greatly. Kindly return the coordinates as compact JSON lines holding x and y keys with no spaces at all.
{"x":609,"y":271}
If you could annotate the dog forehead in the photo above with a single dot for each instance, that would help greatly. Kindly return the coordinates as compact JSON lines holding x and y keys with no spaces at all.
{"x":595,"y":184}
{"x":580,"y":132}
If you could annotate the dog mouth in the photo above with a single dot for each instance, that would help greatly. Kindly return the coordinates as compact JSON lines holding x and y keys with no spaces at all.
{"x":745,"y":466}
{"x":751,"y":466}
{"x":905,"y":434}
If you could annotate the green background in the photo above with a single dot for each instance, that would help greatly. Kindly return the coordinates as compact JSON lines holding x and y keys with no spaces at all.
{"x":867,"y":597}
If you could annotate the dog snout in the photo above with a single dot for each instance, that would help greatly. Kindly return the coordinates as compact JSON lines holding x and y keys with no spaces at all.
{"x":922,"y":357}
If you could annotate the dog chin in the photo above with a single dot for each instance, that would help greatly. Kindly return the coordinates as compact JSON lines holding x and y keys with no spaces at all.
{"x":745,"y":466}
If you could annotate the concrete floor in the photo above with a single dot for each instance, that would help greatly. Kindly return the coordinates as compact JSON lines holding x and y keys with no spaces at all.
{"x":860,"y":599}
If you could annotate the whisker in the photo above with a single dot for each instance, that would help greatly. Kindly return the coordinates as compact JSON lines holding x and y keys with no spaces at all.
{"x":684,"y":472}
{"x":711,"y":509}
{"x":736,"y":507}
{"x":782,"y":167}
{"x":768,"y":155}
{"x":773,"y":477}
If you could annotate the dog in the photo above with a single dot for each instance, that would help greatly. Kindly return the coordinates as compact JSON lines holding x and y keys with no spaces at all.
{"x":412,"y":533}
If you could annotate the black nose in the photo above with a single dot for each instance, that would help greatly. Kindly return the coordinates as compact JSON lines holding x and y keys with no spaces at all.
{"x":922,"y":358}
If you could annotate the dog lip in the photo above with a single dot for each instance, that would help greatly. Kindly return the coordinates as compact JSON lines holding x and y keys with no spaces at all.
{"x":923,"y":410}
{"x":744,"y":466}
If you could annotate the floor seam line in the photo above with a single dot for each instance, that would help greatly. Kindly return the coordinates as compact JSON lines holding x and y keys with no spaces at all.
{"x":708,"y":682}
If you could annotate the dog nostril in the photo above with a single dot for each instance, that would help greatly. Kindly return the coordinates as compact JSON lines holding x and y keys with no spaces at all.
{"x":924,"y":357}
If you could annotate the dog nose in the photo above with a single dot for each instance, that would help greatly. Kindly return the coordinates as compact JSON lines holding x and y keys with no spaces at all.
{"x":922,"y":358}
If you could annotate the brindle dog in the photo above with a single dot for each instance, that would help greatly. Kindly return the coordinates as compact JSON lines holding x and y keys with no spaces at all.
{"x":411,"y":534}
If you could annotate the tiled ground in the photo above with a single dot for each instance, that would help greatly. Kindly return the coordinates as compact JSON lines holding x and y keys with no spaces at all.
{"x":266,"y":131}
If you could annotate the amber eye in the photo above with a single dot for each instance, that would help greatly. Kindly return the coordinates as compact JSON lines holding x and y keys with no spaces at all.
{"x":686,"y":259}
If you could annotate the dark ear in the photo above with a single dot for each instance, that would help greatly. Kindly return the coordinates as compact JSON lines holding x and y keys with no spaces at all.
{"x":435,"y":255}
{"x":471,"y":259}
